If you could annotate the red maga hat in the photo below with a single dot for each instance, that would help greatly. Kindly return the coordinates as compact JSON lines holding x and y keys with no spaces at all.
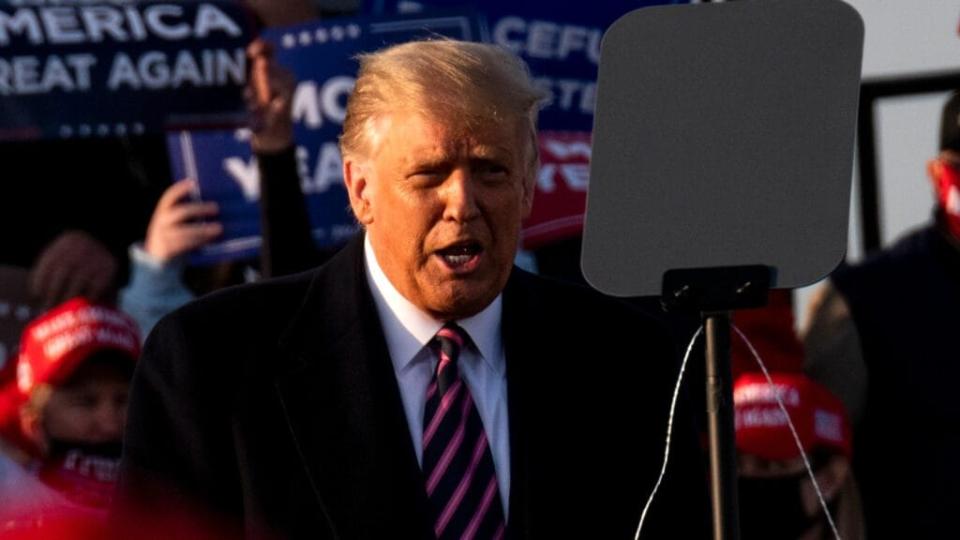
{"x":818,"y":416}
{"x":54,"y":344}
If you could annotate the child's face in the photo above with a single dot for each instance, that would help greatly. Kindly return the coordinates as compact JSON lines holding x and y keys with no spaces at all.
{"x":90,"y":408}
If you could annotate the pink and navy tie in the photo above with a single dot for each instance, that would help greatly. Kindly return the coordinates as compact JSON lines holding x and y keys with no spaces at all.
{"x":461,"y":481}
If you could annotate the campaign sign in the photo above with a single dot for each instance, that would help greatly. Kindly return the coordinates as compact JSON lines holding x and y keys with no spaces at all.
{"x":560,"y":41}
{"x":88,"y":68}
{"x":321,"y":56}
{"x":560,"y":197}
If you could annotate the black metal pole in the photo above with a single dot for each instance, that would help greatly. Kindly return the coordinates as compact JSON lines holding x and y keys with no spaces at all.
{"x":723,"y":465}
{"x":869,"y":186}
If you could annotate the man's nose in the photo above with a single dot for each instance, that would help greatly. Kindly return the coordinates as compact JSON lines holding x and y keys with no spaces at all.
{"x":460,"y":197}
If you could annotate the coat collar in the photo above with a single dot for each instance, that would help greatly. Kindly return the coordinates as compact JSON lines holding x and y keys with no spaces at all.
{"x":343,"y":408}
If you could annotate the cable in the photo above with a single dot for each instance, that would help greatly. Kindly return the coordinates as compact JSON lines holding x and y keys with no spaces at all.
{"x":783,"y":408}
{"x":793,"y":431}
{"x":666,"y":451}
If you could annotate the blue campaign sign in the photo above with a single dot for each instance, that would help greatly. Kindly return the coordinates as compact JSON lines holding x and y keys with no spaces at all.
{"x":321,"y":56}
{"x":99,"y":68}
{"x":560,"y":41}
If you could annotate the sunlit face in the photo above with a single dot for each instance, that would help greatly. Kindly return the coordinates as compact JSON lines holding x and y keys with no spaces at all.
{"x":91,"y":409}
{"x":442,"y":206}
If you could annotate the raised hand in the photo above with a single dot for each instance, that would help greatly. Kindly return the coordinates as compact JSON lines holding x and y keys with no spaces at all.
{"x":180,"y":224}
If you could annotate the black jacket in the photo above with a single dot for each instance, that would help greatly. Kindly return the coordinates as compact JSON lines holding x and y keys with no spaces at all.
{"x":276,"y":406}
{"x":904,"y":303}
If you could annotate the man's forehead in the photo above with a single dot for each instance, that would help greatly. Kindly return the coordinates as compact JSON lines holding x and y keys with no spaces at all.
{"x":429,"y":137}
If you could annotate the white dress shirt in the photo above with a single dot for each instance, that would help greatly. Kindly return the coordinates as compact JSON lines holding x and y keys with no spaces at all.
{"x":408,"y":330}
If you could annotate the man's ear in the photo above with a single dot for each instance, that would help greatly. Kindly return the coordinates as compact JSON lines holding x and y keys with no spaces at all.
{"x":356,"y":176}
{"x":31,"y":425}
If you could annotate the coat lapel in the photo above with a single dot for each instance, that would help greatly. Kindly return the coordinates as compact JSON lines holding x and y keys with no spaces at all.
{"x":343,"y":407}
{"x":518,"y":355}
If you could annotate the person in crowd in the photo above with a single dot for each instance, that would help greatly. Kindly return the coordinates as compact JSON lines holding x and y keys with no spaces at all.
{"x":777,"y":498}
{"x":73,"y":377}
{"x":69,"y":222}
{"x":288,"y":246}
{"x":418,"y":385}
{"x":179,"y":225}
{"x":71,"y":242}
{"x":160,"y":280}
{"x":879,"y":336}
{"x":75,"y":263}
{"x":75,"y":237}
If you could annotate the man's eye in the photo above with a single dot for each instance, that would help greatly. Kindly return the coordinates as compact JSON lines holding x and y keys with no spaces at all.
{"x":492,"y":171}
{"x":427,"y":176}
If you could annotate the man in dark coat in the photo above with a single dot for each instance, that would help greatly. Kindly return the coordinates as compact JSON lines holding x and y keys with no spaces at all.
{"x":418,"y":385}
{"x":881,"y":337}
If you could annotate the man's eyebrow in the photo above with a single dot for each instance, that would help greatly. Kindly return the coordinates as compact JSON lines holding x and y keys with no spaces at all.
{"x":420,"y":161}
{"x":493,"y":161}
{"x":490,"y":152}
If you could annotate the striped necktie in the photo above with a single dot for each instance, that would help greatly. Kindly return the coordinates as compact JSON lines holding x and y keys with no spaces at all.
{"x":461,"y":481}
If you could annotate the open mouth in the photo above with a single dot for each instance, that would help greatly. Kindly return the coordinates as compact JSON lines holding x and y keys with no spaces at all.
{"x":462,"y":256}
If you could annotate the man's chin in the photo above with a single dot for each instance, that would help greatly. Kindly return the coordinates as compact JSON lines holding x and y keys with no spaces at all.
{"x":462,"y":301}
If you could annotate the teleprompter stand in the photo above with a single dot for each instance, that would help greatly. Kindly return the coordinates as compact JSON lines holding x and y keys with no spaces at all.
{"x":721,"y":168}
{"x":713,"y":292}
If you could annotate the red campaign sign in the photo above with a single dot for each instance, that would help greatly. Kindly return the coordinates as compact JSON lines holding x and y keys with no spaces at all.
{"x":561,"y":192}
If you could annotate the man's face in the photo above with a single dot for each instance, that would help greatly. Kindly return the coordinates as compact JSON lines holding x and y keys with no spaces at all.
{"x":442,"y":206}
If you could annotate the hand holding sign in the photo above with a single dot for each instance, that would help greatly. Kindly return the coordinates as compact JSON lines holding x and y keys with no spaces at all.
{"x":179,"y":224}
{"x":269,"y":96}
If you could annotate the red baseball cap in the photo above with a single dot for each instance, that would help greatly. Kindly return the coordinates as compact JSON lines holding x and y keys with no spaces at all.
{"x":54,"y":344}
{"x":761,"y":427}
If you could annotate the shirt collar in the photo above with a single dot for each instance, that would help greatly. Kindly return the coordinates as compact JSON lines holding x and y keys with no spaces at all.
{"x":408,"y":329}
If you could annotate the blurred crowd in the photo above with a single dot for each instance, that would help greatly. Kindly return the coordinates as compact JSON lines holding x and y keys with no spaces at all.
{"x":84,"y":281}
{"x":866,"y":381}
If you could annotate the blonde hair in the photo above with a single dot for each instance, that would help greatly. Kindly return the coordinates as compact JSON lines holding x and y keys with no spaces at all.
{"x":475,"y":83}
{"x":38,"y":399}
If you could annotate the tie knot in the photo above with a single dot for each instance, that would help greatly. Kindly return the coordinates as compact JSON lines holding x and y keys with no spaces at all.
{"x":450,"y":339}
{"x":448,"y":342}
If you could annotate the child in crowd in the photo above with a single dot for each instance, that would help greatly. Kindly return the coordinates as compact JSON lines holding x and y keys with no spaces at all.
{"x":777,"y":498}
{"x":62,"y":423}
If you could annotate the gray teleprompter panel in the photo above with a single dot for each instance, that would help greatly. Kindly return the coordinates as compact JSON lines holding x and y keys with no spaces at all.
{"x":723,"y":136}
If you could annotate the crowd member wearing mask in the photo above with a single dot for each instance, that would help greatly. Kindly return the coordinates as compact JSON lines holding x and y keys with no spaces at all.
{"x":880,"y":336}
{"x":73,"y":375}
{"x":777,"y":498}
